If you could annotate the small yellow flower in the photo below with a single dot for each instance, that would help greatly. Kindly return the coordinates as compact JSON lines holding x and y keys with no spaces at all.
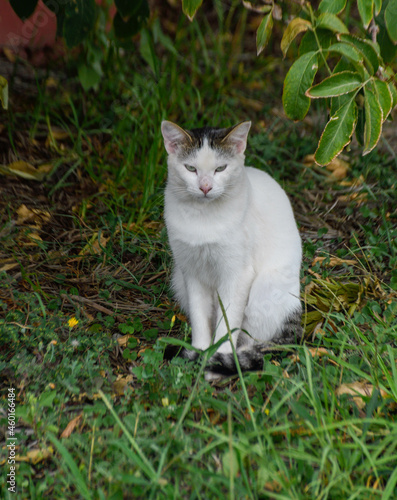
{"x":267,"y":411}
{"x":72,"y":322}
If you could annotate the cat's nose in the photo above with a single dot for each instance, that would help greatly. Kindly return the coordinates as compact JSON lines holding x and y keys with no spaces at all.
{"x":205,"y":188}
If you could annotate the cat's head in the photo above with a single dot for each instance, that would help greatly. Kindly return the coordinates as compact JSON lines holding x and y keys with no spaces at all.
{"x":204,"y":163}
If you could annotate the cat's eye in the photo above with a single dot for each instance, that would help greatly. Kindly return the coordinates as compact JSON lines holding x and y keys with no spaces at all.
{"x":190,"y":168}
{"x":220,"y":169}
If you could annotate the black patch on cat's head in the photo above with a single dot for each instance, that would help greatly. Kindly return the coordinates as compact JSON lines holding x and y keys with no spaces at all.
{"x":215,"y":138}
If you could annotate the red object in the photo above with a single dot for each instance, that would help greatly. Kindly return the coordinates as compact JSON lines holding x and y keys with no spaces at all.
{"x":35,"y":33}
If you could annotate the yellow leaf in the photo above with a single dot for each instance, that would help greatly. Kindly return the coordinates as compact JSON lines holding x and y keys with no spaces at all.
{"x":23,"y":169}
{"x":333,"y":261}
{"x":35,"y":456}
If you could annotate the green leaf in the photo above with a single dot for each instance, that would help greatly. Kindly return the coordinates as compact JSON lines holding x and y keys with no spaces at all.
{"x":135,"y":8}
{"x":332,"y":6}
{"x":387,"y":49}
{"x":125,"y":28}
{"x":373,"y":120}
{"x":393,"y":92}
{"x":366,"y":9}
{"x":4,"y":92}
{"x":346,"y":50}
{"x":360,"y":126}
{"x":309,"y":42}
{"x":391,"y":20}
{"x":263,"y":33}
{"x":331,"y":22}
{"x":79,"y":21}
{"x":336,"y":84}
{"x":366,"y":47}
{"x":190,"y":7}
{"x":377,"y":6}
{"x":79,"y":480}
{"x":337,"y":133}
{"x":338,"y":101}
{"x":23,"y":8}
{"x":384,"y":97}
{"x":299,"y":78}
{"x":296,"y":26}
{"x":89,"y":77}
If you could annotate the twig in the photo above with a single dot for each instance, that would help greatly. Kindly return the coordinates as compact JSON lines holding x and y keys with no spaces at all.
{"x":374,"y":29}
{"x":93,"y":304}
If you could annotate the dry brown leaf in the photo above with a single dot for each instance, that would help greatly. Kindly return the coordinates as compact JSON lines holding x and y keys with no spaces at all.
{"x":35,"y":456}
{"x":32,"y":216}
{"x":121,"y":383}
{"x":71,"y":426}
{"x":336,"y":164}
{"x":21,"y":169}
{"x":358,"y":390}
{"x":333,"y":261}
{"x":56,"y":134}
{"x":359,"y":198}
{"x":308,"y":161}
{"x":353,"y":182}
{"x":10,"y":54}
{"x":338,"y":167}
{"x":95,"y":246}
{"x":273,"y":485}
{"x":51,"y":83}
{"x":314,"y":351}
{"x":123,"y":341}
{"x":8,"y":267}
{"x":34,"y":237}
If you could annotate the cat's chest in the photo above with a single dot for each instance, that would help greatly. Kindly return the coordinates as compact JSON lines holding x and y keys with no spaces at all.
{"x":210,"y":263}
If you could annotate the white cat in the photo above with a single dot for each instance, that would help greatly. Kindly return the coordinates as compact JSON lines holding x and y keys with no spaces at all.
{"x":232,"y":232}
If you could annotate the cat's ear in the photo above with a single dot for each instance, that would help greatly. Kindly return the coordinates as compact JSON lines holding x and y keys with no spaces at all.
{"x":173,"y":136}
{"x":238,"y":136}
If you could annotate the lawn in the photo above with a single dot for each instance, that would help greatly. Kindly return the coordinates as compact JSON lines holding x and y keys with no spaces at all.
{"x":87,"y":319}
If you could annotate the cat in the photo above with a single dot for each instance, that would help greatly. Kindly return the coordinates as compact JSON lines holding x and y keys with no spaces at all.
{"x":233,"y":237}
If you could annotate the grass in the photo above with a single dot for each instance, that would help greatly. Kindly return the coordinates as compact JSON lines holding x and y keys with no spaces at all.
{"x":101,"y":412}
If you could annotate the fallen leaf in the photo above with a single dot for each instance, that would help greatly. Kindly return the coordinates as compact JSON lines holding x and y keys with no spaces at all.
{"x":338,"y":167}
{"x":359,"y":198}
{"x":8,"y":267}
{"x":32,"y":216}
{"x":9,"y":53}
{"x":354,"y":182}
{"x":273,"y":485}
{"x":358,"y":390}
{"x":121,"y":383}
{"x":25,"y":170}
{"x":51,"y":83}
{"x":123,"y":340}
{"x":71,"y":426}
{"x":95,"y":246}
{"x":314,"y":351}
{"x":35,"y":456}
{"x":34,"y":237}
{"x":333,"y":261}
